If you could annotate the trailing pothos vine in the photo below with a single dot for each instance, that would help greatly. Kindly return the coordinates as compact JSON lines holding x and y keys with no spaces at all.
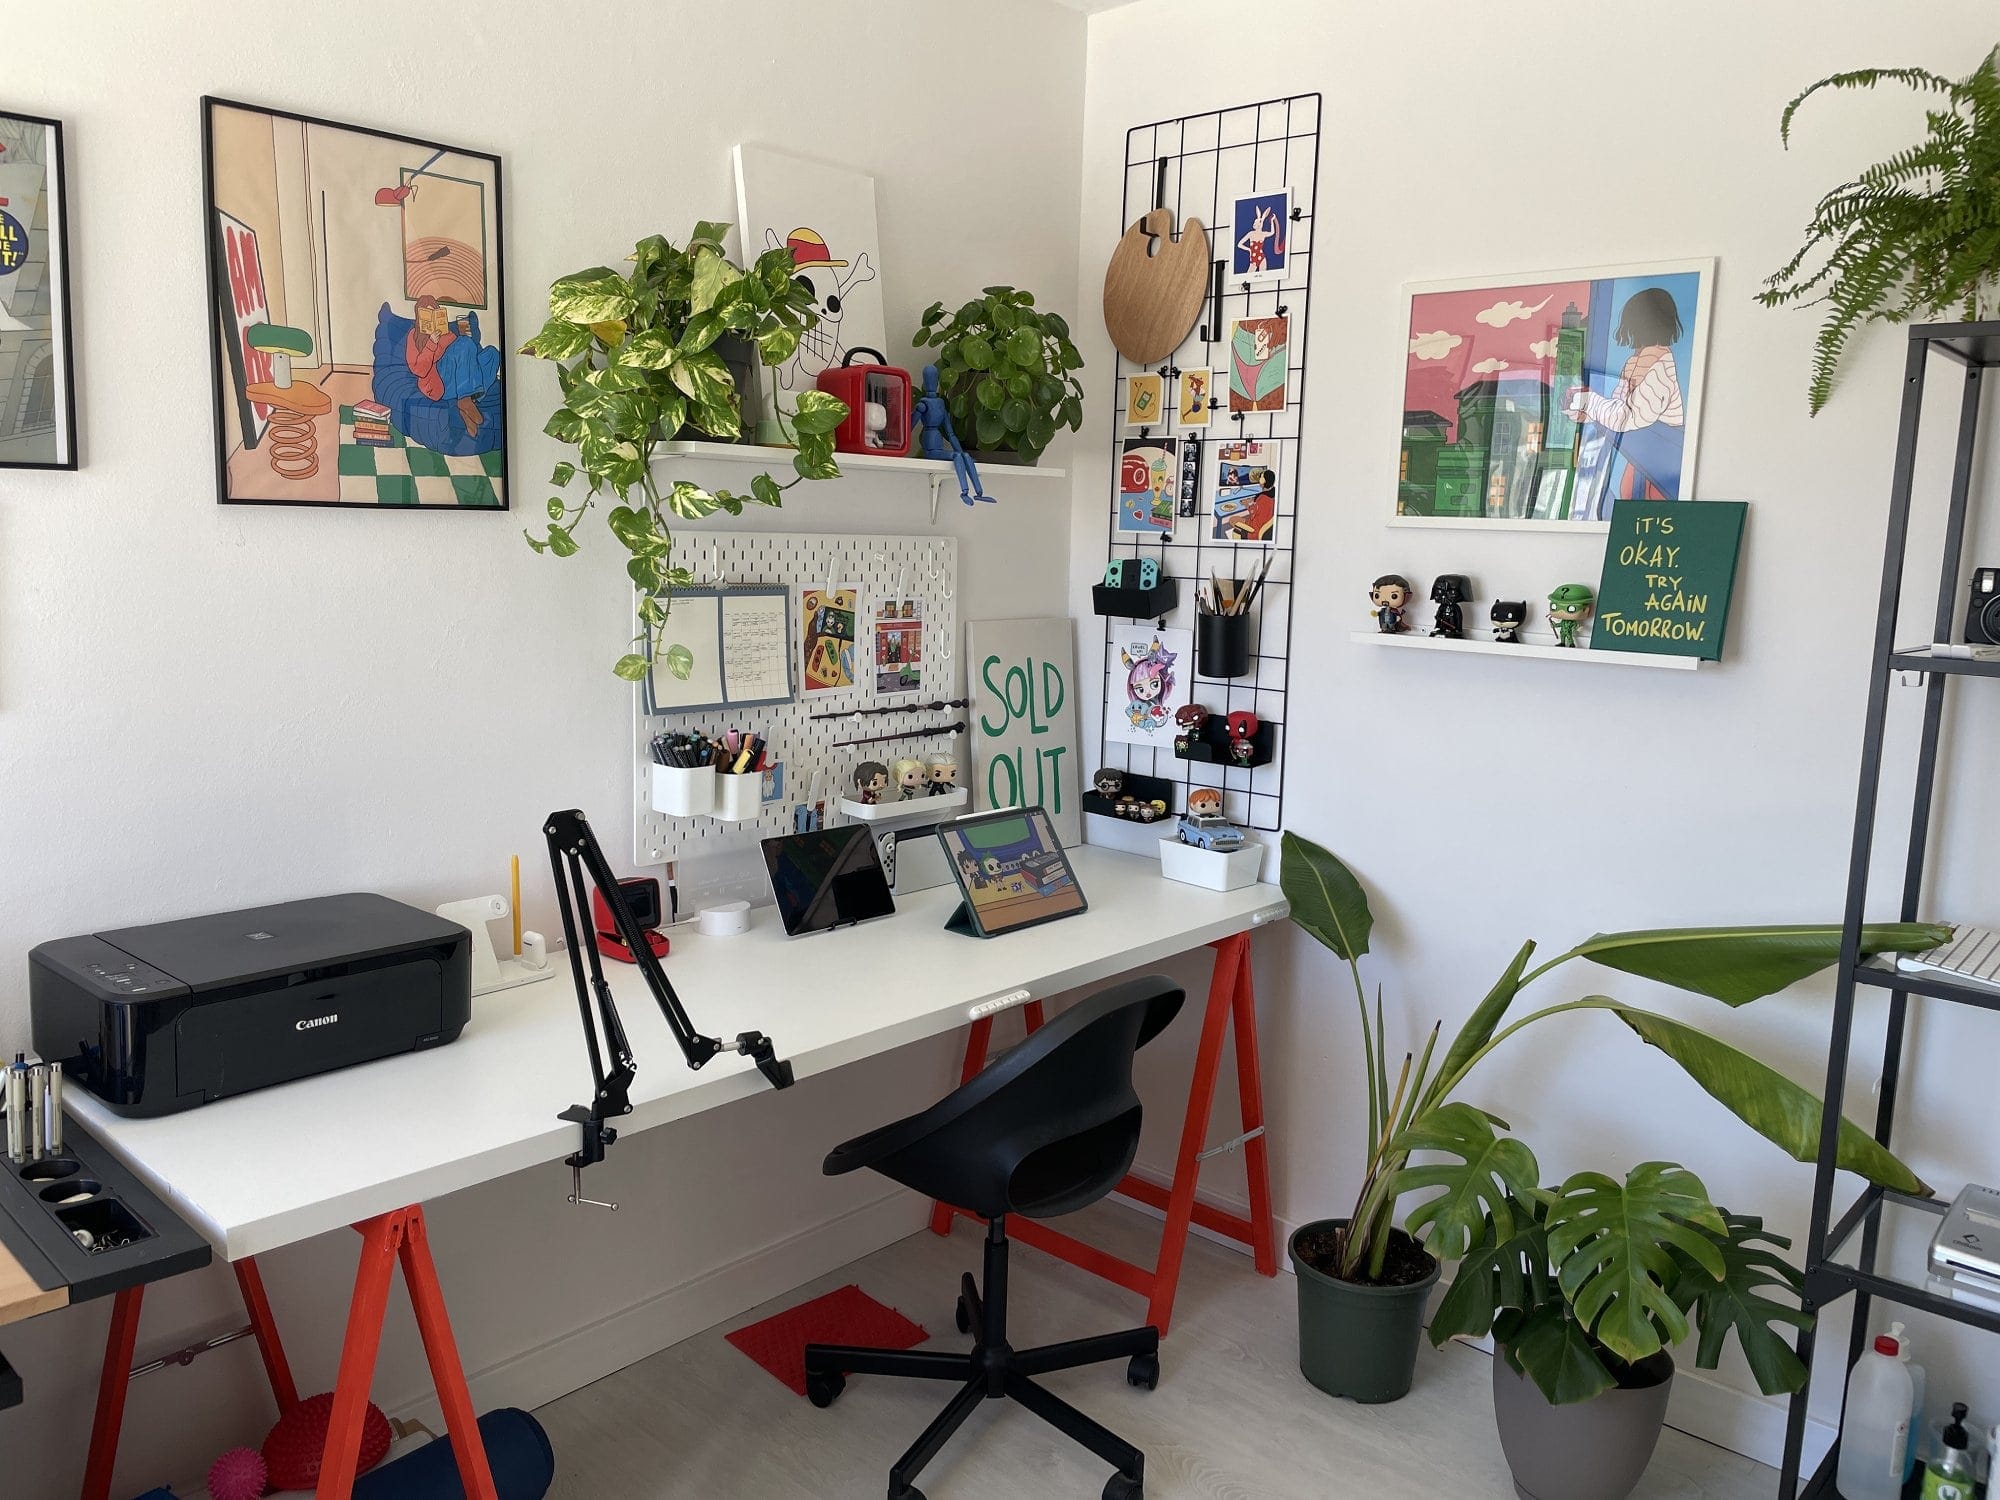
{"x":1915,"y":235}
{"x":635,"y":357}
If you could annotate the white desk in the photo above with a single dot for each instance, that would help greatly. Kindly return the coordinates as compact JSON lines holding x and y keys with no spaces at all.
{"x":287,"y":1163}
{"x":371,"y":1142}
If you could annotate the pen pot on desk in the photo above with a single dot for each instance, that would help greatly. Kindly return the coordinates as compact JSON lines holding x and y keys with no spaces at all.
{"x":738,"y":796}
{"x":1222,"y":645}
{"x":685,"y":791}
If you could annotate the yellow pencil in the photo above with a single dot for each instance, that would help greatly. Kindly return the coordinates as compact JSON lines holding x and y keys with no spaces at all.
{"x":515,"y":860}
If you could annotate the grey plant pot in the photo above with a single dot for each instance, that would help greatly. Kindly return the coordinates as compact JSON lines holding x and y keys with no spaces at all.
{"x":1358,"y":1341}
{"x":1002,"y":457}
{"x":1589,"y":1450}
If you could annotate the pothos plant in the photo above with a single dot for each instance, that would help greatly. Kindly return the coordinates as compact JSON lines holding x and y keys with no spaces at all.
{"x":1917,"y":234}
{"x":1006,"y":371}
{"x":1582,"y":1279}
{"x":636,"y":360}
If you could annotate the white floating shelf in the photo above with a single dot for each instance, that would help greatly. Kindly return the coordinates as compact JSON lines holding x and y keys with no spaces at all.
{"x":927,"y":807}
{"x":1578,"y":655}
{"x":936,"y":470}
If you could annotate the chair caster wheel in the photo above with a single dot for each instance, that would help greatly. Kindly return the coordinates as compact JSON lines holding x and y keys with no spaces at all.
{"x":1144,"y":1370}
{"x":824,"y":1390}
{"x":964,"y":1317}
{"x":1121,"y":1487}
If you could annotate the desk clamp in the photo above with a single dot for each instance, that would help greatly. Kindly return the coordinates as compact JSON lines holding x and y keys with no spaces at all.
{"x":575,"y":854}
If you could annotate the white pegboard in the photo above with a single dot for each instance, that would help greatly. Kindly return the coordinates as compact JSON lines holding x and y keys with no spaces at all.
{"x":924,"y":567}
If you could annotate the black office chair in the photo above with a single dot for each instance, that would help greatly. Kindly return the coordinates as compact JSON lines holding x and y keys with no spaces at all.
{"x":1046,"y":1129}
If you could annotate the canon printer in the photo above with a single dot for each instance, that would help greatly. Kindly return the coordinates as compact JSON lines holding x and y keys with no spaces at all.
{"x":162,"y":1018}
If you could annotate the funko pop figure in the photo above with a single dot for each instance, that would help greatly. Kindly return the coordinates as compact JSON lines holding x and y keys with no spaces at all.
{"x":1390,"y":595}
{"x":871,"y":780}
{"x":943,"y":775}
{"x":1108,"y":782}
{"x":1243,"y":728}
{"x":1190,"y":720}
{"x":1448,"y":593}
{"x":1204,"y":802}
{"x":910,"y":779}
{"x":1569,"y":606}
{"x":1508,"y":617}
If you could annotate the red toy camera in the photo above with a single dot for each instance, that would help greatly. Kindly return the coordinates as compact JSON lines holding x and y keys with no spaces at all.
{"x":878,"y":405}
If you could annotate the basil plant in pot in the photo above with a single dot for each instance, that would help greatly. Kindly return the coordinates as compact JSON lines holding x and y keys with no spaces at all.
{"x":1007,"y":373}
{"x":637,"y":361}
{"x":1362,"y":1296}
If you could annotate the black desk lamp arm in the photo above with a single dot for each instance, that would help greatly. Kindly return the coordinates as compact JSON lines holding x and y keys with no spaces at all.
{"x":574,"y":854}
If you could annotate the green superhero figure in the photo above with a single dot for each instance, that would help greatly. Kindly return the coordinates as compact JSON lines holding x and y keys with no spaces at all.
{"x":1569,"y":607}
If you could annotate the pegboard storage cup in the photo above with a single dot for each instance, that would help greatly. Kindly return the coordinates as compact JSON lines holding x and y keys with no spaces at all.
{"x":1222,"y":645}
{"x":685,"y":791}
{"x":737,"y":797}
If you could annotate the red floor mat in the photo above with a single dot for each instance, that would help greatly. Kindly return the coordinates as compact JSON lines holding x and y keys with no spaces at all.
{"x":846,"y":1316}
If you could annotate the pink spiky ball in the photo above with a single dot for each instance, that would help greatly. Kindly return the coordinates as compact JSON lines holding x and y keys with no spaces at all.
{"x":238,"y":1475}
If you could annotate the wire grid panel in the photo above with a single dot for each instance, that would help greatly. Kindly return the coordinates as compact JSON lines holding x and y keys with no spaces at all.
{"x":1199,"y":165}
{"x":912,"y":567}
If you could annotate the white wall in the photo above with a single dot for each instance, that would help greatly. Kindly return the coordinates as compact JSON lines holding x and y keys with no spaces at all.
{"x":1485,"y":802}
{"x":204,"y":707}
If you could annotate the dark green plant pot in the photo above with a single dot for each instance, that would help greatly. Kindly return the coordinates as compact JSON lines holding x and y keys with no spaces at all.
{"x":1358,"y":1341}
{"x":1001,"y":456}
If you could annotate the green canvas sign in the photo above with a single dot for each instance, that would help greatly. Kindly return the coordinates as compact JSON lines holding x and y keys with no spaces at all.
{"x":1668,"y":571}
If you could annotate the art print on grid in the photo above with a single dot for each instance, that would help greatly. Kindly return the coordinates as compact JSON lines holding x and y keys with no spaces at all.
{"x":1202,"y":165}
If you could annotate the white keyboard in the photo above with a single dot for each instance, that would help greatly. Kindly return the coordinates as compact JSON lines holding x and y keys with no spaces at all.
{"x":1973,"y":954}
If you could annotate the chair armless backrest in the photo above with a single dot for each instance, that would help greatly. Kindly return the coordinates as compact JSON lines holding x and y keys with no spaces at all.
{"x":1046,"y":1128}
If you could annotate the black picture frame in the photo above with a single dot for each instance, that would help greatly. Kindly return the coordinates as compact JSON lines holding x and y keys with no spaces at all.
{"x":62,"y":322}
{"x":226,"y":354}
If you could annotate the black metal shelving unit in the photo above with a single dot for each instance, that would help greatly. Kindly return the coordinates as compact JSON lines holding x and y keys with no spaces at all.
{"x":1875,"y":1249}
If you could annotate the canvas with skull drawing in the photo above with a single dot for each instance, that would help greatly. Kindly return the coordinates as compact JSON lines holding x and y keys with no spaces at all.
{"x":826,"y":216}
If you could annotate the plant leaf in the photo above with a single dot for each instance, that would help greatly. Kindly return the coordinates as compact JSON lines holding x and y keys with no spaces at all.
{"x":1609,"y":1242}
{"x":599,"y":295}
{"x":631,"y":667}
{"x":1552,"y":1349}
{"x":1764,"y":1099}
{"x":1479,"y":1026}
{"x":1495,"y":1275}
{"x":1739,"y":964}
{"x":818,"y":412}
{"x":1326,"y":899}
{"x":1491,"y":1172}
{"x":1737,"y":1303}
{"x":680,"y":661}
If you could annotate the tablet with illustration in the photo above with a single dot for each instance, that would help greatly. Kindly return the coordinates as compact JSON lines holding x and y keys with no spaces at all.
{"x":1011,"y":869}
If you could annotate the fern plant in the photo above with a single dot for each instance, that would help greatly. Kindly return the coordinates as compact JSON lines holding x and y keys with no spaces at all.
{"x":1917,"y":234}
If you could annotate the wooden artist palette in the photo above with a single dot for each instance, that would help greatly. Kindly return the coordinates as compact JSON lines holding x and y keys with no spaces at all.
{"x":1151,"y":300}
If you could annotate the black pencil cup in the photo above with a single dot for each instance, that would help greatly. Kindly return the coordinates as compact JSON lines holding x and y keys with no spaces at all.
{"x":1222,"y":645}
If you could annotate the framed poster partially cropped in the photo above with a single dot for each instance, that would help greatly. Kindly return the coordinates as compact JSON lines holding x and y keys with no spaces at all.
{"x":1534,"y":402}
{"x":37,"y":359}
{"x":355,"y":300}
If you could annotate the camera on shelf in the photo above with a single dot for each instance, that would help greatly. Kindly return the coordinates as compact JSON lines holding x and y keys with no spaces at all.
{"x":1982,"y":610}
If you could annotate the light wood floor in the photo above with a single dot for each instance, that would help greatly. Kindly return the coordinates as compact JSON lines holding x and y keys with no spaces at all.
{"x":1232,"y":1419}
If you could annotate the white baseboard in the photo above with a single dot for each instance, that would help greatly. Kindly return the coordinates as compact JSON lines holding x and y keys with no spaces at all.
{"x":539,"y":1375}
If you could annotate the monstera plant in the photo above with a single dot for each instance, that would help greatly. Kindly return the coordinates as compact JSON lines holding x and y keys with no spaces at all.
{"x":636,"y":360}
{"x":1582,"y":1280}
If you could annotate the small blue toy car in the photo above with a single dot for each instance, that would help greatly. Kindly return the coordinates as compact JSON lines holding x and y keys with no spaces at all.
{"x":1210,"y":831}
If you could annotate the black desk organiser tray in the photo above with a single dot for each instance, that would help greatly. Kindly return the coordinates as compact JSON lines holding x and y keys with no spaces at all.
{"x":1163,"y":598}
{"x":1145,"y":788}
{"x":1211,"y":746}
{"x":139,"y":1238}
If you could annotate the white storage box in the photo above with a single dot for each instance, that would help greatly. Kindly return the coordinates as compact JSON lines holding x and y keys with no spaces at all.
{"x":1209,"y":868}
